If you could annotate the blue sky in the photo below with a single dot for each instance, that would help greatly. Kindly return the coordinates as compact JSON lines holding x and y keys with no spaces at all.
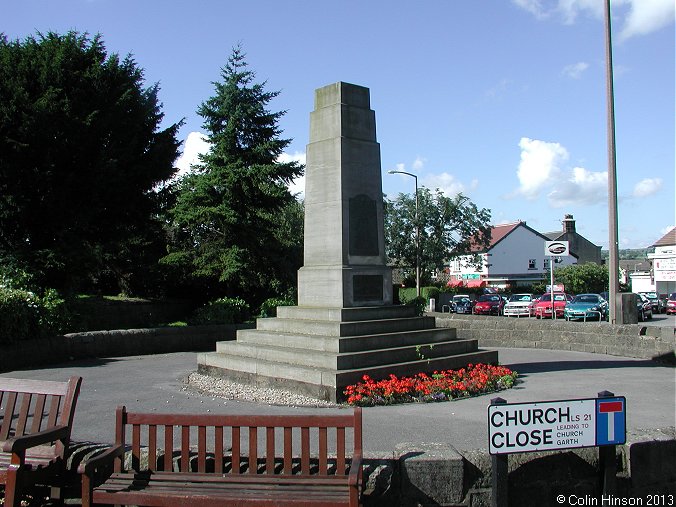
{"x":503,"y":100}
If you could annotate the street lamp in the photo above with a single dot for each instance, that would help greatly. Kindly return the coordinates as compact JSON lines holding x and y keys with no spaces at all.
{"x":417,"y":231}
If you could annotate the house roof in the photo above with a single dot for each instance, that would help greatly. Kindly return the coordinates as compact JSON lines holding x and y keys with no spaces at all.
{"x":500,"y":232}
{"x":668,"y":239}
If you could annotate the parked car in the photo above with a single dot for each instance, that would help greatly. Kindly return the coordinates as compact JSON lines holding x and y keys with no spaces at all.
{"x":659,"y":305}
{"x":489,"y":304}
{"x":536,"y":298}
{"x":462,"y":304}
{"x":543,"y":308}
{"x":644,"y":308}
{"x":518,"y":305}
{"x":586,"y":307}
{"x":671,"y":303}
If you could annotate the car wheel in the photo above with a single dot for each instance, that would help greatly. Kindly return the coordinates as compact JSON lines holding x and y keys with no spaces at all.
{"x":641,"y":316}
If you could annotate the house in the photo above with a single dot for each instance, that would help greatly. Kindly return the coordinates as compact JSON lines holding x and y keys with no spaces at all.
{"x":664,"y":263}
{"x":516,"y":256}
{"x":584,"y":250}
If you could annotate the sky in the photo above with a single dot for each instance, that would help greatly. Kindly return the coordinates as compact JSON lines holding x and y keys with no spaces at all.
{"x":502,"y":100}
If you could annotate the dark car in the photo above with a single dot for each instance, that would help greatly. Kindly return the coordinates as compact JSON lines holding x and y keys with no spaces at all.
{"x":462,"y":304}
{"x":659,"y":305}
{"x":644,"y":308}
{"x":489,"y":304}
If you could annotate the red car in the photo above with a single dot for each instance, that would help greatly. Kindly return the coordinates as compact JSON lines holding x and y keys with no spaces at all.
{"x":671,"y":303}
{"x":489,"y":304}
{"x":543,"y":308}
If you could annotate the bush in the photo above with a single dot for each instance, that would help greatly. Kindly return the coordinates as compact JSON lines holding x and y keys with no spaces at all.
{"x":269,"y":306}
{"x":25,"y":315}
{"x":222,"y":311}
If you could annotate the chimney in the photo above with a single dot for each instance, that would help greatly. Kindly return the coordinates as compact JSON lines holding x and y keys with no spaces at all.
{"x":568,"y":224}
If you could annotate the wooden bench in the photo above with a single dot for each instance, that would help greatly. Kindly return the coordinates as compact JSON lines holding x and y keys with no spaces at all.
{"x":243,"y":460}
{"x":36,"y":418}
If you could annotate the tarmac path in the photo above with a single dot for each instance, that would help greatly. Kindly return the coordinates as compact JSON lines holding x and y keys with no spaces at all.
{"x":157,"y":383}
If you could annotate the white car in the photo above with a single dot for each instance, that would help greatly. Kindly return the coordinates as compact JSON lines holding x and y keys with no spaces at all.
{"x":519,"y":305}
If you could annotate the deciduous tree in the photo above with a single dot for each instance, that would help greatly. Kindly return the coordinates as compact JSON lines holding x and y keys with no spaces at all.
{"x":448,"y":228}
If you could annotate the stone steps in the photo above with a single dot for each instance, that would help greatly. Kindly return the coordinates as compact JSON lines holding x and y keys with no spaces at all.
{"x":342,"y":344}
{"x":345,"y":360}
{"x":322,"y":382}
{"x":319,"y":351}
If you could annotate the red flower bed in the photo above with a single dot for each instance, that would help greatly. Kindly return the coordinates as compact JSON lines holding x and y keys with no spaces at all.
{"x":439,"y":386}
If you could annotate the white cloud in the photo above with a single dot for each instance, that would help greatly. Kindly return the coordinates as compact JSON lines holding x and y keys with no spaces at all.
{"x":637,"y":17}
{"x":539,"y":165}
{"x":445,"y":182}
{"x":195,"y":144}
{"x":533,"y":6}
{"x":575,"y":70}
{"x":646,"y":187}
{"x":297,"y":186}
{"x":419,"y":163}
{"x":582,"y":187}
{"x":646,"y":16}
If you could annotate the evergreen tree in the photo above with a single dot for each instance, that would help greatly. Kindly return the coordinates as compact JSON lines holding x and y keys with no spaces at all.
{"x":80,"y":155}
{"x":228,"y":208}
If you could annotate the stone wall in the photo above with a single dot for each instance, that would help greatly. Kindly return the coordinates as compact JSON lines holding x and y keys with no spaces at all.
{"x":628,"y":340}
{"x":436,"y":474}
{"x":122,"y":342}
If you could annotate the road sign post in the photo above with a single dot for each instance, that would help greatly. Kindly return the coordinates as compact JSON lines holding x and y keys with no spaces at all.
{"x":613,"y":410}
{"x":500,"y":473}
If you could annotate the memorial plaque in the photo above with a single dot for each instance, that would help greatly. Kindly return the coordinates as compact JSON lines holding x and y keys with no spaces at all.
{"x":363,"y":226}
{"x":367,"y":288}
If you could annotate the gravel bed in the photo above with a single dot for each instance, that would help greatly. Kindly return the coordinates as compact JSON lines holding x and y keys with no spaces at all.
{"x":235,"y":391}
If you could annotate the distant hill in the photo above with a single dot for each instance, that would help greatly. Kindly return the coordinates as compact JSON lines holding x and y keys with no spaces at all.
{"x":629,"y":253}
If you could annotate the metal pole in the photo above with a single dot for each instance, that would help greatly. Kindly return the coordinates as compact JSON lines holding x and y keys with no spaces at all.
{"x":551,"y":285}
{"x":417,"y":241}
{"x":613,"y":249}
{"x":499,"y":473}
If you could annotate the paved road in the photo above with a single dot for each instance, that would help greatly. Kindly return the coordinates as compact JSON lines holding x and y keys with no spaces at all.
{"x":155,"y":383}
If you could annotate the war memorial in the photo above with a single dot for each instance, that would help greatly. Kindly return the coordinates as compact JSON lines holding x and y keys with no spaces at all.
{"x":345,"y":325}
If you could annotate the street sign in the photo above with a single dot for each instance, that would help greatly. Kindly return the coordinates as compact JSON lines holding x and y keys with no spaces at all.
{"x":552,"y":425}
{"x":557,"y":248}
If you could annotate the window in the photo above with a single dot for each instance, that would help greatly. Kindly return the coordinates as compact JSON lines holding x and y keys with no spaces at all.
{"x":545,"y":264}
{"x":531,"y":264}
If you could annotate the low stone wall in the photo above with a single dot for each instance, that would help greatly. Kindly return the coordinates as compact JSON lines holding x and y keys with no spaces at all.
{"x":122,"y":342}
{"x":437,"y":474}
{"x":628,"y":340}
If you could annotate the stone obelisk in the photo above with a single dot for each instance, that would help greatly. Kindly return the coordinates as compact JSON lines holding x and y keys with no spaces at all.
{"x":345,"y":325}
{"x":344,"y":257}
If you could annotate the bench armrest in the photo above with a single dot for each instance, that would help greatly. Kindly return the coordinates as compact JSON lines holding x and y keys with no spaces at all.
{"x":18,"y":445}
{"x":104,"y":459}
{"x":354,"y":478}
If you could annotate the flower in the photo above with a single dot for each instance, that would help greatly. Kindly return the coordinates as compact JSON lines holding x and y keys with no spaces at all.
{"x":444,"y":385}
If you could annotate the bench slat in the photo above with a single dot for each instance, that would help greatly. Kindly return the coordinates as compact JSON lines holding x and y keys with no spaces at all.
{"x":218,"y":449}
{"x":7,"y":418}
{"x":38,"y":412}
{"x":33,"y":386}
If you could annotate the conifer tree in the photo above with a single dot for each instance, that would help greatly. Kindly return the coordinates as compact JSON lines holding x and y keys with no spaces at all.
{"x":228,"y":208}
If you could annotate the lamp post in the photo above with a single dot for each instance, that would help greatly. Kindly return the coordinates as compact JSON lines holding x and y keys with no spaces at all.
{"x":417,"y":231}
